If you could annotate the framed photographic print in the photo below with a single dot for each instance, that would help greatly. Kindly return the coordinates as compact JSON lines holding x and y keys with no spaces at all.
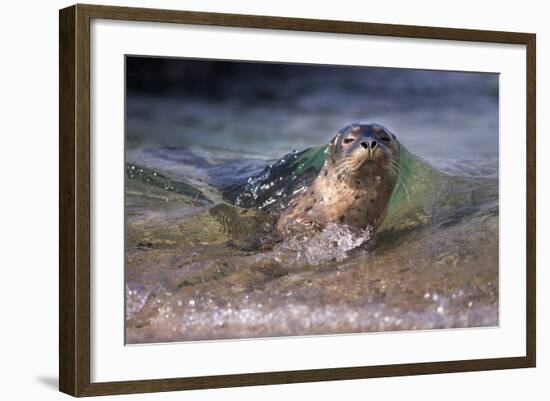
{"x":251,"y":200}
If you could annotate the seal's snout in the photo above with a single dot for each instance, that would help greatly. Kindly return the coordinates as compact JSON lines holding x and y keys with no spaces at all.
{"x":369,"y":144}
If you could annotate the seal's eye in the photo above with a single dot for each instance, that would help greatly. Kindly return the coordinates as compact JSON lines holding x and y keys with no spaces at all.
{"x":384,"y":138}
{"x":348,"y":140}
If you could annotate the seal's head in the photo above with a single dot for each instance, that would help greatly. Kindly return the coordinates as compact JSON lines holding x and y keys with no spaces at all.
{"x":360,"y":150}
{"x":355,"y":184}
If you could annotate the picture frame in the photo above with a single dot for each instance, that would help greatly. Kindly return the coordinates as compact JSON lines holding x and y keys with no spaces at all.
{"x":76,"y":200}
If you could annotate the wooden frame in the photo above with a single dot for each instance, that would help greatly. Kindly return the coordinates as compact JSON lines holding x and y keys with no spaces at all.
{"x":74,"y":200}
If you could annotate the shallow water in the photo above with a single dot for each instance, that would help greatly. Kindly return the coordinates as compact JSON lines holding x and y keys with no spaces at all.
{"x":199,"y":268}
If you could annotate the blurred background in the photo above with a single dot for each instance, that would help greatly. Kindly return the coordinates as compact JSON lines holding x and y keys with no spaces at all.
{"x":269,"y":109}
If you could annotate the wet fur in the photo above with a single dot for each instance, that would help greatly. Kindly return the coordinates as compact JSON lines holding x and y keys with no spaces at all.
{"x":354,"y":186}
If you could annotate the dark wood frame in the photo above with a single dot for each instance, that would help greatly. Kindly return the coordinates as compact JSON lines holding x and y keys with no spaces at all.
{"x":74,"y":199}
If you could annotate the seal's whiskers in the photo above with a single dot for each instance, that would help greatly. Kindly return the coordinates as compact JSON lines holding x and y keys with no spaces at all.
{"x":342,"y":171}
{"x":394,"y":168}
{"x":394,"y":171}
{"x":357,"y":160}
{"x":401,"y":182}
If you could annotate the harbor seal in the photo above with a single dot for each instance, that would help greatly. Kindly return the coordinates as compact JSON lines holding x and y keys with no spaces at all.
{"x":355,"y":183}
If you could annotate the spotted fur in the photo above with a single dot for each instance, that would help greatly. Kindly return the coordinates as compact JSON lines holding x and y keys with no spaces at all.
{"x":355,"y":184}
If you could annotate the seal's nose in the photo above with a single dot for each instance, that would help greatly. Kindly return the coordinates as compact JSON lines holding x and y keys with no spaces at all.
{"x":369,"y":144}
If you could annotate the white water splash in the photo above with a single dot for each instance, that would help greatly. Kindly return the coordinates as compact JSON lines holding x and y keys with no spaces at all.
{"x":315,"y":247}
